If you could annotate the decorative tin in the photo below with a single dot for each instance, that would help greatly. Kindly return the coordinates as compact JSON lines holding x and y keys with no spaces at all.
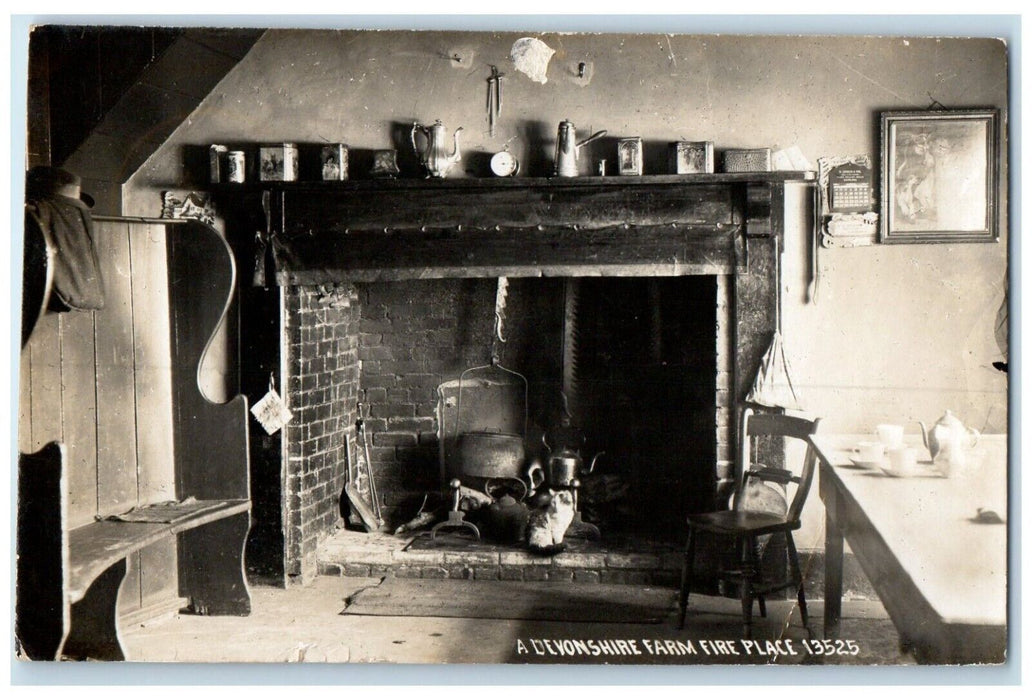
{"x":629,"y":160}
{"x":385,"y":163}
{"x":747,"y":160}
{"x":278,"y":163}
{"x":335,"y":162}
{"x":235,"y":166}
{"x":216,"y":154}
{"x":691,"y":157}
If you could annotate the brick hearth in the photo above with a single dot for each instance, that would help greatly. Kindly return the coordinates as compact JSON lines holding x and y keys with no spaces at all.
{"x":639,"y":562}
{"x":643,"y":561}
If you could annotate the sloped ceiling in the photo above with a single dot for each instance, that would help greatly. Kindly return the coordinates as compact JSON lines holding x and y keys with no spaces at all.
{"x":116,"y":93}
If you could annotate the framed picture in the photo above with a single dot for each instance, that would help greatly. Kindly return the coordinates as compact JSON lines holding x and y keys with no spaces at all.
{"x":940,"y":176}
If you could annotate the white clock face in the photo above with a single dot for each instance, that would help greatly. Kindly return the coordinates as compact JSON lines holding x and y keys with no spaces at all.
{"x":504,"y":163}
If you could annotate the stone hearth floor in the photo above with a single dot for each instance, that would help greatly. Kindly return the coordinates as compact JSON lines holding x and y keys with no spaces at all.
{"x":614,"y":559}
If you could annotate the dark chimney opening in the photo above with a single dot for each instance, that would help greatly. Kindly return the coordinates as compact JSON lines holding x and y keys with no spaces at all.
{"x":646,"y":382}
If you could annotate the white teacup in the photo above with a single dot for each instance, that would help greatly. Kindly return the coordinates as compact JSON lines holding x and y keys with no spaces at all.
{"x":870,"y":451}
{"x":890,"y":435}
{"x":902,"y":461}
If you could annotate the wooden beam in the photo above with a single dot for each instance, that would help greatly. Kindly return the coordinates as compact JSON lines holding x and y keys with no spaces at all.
{"x":618,"y":251}
{"x":516,"y":227}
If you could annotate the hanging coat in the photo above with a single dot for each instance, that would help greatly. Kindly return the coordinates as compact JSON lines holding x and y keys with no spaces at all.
{"x":66,"y":224}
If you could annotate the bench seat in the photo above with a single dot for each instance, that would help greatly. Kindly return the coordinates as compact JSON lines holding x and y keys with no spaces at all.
{"x":95,"y":547}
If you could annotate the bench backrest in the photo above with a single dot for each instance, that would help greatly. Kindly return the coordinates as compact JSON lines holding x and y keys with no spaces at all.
{"x":130,"y":389}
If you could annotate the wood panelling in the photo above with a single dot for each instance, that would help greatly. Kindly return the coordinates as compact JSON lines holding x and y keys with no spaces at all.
{"x":79,"y":380}
{"x":153,"y":388}
{"x":45,"y":383}
{"x":117,"y":480}
{"x":100,"y":383}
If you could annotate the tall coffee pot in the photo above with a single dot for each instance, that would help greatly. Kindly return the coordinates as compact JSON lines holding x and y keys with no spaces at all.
{"x":567,"y":147}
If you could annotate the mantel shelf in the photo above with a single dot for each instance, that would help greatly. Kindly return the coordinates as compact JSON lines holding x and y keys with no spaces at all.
{"x":490,"y":183}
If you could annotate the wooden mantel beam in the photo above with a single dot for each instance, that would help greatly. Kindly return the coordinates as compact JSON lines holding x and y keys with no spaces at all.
{"x":657,"y":225}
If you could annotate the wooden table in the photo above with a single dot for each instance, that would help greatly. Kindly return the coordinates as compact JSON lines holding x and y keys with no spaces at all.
{"x":940,"y":573}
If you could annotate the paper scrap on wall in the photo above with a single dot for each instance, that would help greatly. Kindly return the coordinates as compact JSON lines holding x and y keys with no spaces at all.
{"x":531,"y":57}
{"x":271,"y":412}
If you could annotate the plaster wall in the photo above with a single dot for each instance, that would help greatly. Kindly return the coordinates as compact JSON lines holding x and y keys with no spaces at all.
{"x":895,"y":333}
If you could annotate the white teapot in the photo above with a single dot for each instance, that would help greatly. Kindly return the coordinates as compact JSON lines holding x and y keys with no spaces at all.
{"x":949,"y":442}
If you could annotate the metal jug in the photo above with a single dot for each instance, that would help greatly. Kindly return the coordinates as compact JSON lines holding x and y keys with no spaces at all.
{"x":433,"y":155}
{"x":567,"y":147}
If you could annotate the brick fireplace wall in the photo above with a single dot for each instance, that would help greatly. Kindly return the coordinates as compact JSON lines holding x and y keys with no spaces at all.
{"x":322,"y":365}
{"x":413,"y":336}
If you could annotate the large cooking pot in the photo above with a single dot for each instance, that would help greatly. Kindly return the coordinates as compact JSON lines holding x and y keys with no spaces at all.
{"x":491,"y":455}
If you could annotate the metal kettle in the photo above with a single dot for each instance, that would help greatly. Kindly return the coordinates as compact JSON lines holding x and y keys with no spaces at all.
{"x":434,"y":155}
{"x":564,"y":465}
{"x":949,"y":442}
{"x":567,"y":148}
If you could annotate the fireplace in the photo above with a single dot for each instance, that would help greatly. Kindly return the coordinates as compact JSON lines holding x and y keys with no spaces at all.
{"x":647,"y":381}
{"x":377,"y":292}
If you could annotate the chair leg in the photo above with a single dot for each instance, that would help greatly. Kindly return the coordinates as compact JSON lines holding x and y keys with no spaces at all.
{"x":797,"y":577}
{"x":686,"y":576}
{"x":748,"y":571}
{"x":761,"y":599}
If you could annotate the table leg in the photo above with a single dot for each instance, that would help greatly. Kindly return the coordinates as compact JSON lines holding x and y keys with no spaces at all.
{"x":832,"y":577}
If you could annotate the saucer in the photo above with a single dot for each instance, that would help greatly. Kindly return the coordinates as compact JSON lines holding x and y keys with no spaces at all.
{"x":863,"y":464}
{"x":923,"y":469}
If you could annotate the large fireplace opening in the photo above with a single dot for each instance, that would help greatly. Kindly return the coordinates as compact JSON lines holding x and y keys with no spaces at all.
{"x":647,"y":376}
{"x":632,"y":362}
{"x":637,"y":309}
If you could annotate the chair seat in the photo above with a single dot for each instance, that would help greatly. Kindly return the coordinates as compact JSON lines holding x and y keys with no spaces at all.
{"x":733,"y":522}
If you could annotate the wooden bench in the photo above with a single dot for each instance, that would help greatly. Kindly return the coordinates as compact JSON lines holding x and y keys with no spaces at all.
{"x":133,"y":468}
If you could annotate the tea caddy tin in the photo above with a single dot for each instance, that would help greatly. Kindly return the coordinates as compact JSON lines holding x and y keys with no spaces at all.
{"x":235,"y":166}
{"x":216,"y":155}
{"x":691,"y":157}
{"x":747,"y":160}
{"x":334,"y":159}
{"x":278,"y":163}
{"x":629,"y":156}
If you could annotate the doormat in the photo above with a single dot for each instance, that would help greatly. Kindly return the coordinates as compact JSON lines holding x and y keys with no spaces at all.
{"x":514,"y":600}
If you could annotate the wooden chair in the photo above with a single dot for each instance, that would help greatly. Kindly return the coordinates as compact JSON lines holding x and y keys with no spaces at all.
{"x":746,"y":526}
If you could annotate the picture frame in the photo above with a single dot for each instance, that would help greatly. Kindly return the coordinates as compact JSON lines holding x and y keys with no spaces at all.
{"x":940,"y":176}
